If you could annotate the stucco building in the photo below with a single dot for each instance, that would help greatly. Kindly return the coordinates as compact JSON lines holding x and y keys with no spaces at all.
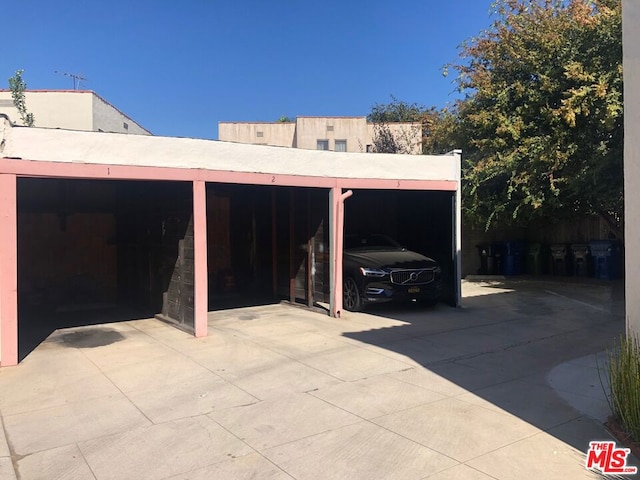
{"x":71,"y":110}
{"x":339,"y":134}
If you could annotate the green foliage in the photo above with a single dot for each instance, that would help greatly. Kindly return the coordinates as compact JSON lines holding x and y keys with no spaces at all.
{"x":623,"y":375}
{"x":541,"y":123}
{"x":396,"y":111}
{"x":18,"y":87}
{"x":388,"y":140}
{"x":285,"y":119}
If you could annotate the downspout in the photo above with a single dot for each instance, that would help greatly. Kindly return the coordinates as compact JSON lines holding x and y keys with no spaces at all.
{"x":337,"y":255}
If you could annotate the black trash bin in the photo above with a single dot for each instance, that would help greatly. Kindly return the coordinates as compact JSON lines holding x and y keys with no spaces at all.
{"x":490,"y":258}
{"x":498,"y":253}
{"x":513,"y":257}
{"x":607,"y":259}
{"x":561,"y":258}
{"x":484,"y":251}
{"x":581,"y":259}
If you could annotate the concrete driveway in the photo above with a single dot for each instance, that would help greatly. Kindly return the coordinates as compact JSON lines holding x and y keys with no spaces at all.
{"x":505,"y":388}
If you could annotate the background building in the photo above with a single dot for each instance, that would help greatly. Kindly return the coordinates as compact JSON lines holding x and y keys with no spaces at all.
{"x":339,"y":134}
{"x":71,"y":110}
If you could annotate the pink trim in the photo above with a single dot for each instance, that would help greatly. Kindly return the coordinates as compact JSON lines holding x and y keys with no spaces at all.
{"x":8,"y":271}
{"x":136,"y":172}
{"x":390,"y":184}
{"x":201,"y":300}
{"x":337,"y":239}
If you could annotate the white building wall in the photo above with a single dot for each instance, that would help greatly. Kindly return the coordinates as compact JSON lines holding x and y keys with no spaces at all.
{"x":307,"y":131}
{"x":107,"y":118}
{"x":278,"y":134}
{"x":70,"y":110}
{"x":631,"y":59}
{"x":63,"y":109}
{"x":352,"y":129}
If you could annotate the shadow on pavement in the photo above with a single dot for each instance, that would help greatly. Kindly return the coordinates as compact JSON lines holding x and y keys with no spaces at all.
{"x":527,"y":348}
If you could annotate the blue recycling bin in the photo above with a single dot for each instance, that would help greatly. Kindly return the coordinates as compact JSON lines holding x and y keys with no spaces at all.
{"x":607,"y":259}
{"x":513,"y":257}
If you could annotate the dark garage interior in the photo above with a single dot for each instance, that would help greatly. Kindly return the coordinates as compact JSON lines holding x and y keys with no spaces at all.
{"x":264,"y":243}
{"x":422,"y":221}
{"x":97,"y":251}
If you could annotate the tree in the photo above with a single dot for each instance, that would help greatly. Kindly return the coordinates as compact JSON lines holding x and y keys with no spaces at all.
{"x":395,"y":111}
{"x":285,"y":119}
{"x":386,"y":138}
{"x":542,"y":116}
{"x":18,"y":87}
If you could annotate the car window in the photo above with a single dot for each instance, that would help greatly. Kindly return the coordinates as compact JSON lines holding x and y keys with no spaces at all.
{"x":374,"y":241}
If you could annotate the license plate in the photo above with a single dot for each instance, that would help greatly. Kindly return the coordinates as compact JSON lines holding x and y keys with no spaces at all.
{"x":413,"y":289}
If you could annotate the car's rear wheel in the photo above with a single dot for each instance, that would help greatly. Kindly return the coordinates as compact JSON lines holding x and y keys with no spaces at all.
{"x":351,"y":296}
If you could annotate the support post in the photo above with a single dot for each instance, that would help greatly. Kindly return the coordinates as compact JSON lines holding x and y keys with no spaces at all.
{"x":336,"y":213}
{"x":8,"y":270}
{"x":458,"y":229}
{"x":201,"y":289}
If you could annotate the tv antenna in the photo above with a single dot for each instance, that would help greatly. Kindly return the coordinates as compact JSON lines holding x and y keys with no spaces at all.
{"x":74,"y":77}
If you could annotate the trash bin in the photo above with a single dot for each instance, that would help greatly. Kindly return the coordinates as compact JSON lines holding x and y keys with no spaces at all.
{"x":483,"y":252}
{"x":581,"y":259}
{"x":561,"y":259}
{"x":497,"y":265}
{"x":490,"y":258}
{"x":607,"y":259}
{"x":513,"y":257}
{"x":534,"y":261}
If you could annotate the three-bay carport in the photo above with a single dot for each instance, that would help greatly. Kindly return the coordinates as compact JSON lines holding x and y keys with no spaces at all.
{"x":101,"y":227}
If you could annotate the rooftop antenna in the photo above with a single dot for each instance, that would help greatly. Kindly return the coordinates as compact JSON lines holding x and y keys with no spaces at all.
{"x":74,"y":77}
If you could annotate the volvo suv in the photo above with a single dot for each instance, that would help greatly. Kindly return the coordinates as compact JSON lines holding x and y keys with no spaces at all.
{"x":377,"y":269}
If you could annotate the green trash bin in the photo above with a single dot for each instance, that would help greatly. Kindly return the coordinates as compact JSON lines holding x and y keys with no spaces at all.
{"x":534,"y":263}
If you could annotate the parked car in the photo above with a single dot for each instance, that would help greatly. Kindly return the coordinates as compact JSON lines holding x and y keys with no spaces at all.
{"x":377,"y":269}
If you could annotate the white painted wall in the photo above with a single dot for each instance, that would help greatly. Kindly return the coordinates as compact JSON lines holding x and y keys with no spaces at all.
{"x":306,"y":131}
{"x":70,"y":110}
{"x":352,"y":129}
{"x":278,"y":134}
{"x":631,"y":54}
{"x":107,"y":118}
{"x":70,"y":146}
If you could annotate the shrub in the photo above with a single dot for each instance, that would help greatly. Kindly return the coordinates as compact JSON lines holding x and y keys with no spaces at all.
{"x":623,"y":374}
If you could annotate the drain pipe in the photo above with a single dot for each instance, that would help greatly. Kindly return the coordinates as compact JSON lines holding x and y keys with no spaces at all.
{"x":338,"y":228}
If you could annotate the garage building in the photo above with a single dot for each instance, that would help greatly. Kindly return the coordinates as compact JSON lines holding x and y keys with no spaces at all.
{"x":99,"y":227}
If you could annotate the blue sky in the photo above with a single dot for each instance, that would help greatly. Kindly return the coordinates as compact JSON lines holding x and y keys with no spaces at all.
{"x":178,"y":68}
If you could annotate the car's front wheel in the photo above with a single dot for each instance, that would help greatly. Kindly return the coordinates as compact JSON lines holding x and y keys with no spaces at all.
{"x":351,"y":296}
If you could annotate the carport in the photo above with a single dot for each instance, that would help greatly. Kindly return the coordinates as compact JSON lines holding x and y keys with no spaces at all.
{"x":175,"y":226}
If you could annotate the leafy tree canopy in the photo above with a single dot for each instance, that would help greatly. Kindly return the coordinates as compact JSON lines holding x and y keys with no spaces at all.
{"x":541,"y":123}
{"x":392,"y":140}
{"x":396,"y":111}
